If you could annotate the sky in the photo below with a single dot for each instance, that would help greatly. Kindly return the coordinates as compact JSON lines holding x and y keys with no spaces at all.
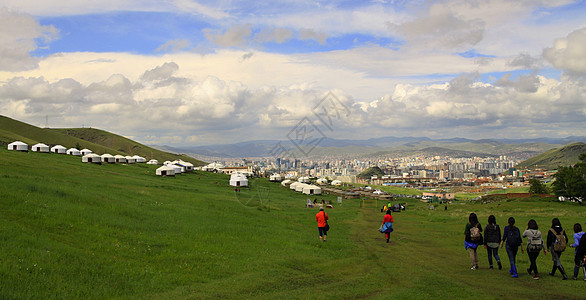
{"x":188,"y":73}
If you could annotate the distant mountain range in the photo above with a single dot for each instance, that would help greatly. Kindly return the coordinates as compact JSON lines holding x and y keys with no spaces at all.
{"x":382,"y":146}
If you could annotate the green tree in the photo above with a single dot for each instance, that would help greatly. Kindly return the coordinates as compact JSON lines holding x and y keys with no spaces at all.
{"x":571,"y":181}
{"x":537,"y":187}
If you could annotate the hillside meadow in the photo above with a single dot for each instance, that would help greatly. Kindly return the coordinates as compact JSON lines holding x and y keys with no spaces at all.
{"x":78,"y":231}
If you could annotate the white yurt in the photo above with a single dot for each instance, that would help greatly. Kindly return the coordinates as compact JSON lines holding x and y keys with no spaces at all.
{"x":303,"y":179}
{"x":312,"y":190}
{"x":85,"y":151}
{"x":153,"y":162}
{"x":18,"y":146}
{"x":336,"y":182}
{"x":187,"y":166}
{"x":130,"y":160}
{"x":120,"y":159}
{"x":275,"y":177}
{"x":40,"y":147}
{"x":59,"y":149}
{"x":139,"y":159}
{"x":300,"y":187}
{"x":73,"y":151}
{"x":294,"y":185}
{"x":108,"y":158}
{"x":91,"y":158}
{"x":322,"y":181}
{"x":165,"y":171}
{"x":286,"y":182}
{"x":238,"y":179}
{"x":213,"y":167}
{"x":177,"y":169}
{"x":167,"y":162}
{"x":182,"y":168}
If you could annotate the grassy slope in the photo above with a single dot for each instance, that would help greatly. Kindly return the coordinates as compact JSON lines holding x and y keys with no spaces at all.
{"x":98,"y":141}
{"x":73,"y":230}
{"x":552,"y":159}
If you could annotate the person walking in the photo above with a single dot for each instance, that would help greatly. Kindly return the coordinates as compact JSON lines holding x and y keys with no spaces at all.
{"x":322,"y":224}
{"x":387,"y":226}
{"x":512,"y":238}
{"x":534,"y":245}
{"x":580,"y":258}
{"x":578,"y":233}
{"x":556,"y":243}
{"x":473,"y":238}
{"x":492,"y":238}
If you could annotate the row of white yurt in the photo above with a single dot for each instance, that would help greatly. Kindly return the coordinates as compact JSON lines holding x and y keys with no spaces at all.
{"x":238,"y":179}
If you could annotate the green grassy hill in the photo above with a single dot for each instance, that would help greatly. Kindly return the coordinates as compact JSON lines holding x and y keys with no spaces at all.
{"x":554,"y":158}
{"x":70,"y":230}
{"x":98,"y":141}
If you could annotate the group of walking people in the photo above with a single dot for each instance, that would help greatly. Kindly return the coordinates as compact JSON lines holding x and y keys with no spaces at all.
{"x":512,"y":240}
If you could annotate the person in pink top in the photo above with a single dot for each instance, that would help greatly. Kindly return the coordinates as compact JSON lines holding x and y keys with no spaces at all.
{"x":322,"y":221}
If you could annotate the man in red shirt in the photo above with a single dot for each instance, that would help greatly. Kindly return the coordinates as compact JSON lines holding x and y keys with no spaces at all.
{"x":322,"y":220}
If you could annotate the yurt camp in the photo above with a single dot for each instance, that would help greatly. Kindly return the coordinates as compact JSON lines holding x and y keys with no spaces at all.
{"x":91,"y":158}
{"x":40,"y":147}
{"x":238,"y":179}
{"x":108,"y":158}
{"x":18,"y":146}
{"x":59,"y":149}
{"x":120,"y":159}
{"x":73,"y":151}
{"x":165,"y":171}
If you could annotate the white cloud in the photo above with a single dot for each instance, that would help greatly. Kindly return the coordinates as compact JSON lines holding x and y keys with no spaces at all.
{"x":19,"y":36}
{"x":236,"y":35}
{"x":569,"y":54}
{"x":174,"y":46}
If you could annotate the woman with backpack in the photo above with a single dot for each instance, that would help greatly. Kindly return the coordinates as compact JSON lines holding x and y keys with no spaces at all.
{"x":578,"y":233}
{"x":473,"y":238}
{"x":534,"y":245}
{"x":512,"y":238}
{"x":556,"y":242}
{"x":492,"y":238}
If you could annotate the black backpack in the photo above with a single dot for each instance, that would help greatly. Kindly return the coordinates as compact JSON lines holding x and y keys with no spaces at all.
{"x":514,"y":237}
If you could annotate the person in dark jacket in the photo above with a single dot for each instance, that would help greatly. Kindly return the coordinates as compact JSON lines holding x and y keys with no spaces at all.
{"x":580,"y":254}
{"x":512,"y":238}
{"x":492,"y":238}
{"x":471,"y":241}
{"x":555,"y":255}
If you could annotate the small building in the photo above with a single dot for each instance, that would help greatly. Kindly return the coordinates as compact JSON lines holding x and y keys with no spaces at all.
{"x":322,"y":181}
{"x":59,"y":149}
{"x":73,"y":151}
{"x":294,"y":185}
{"x":139,"y":159}
{"x":187,"y":166}
{"x":165,"y":171}
{"x":178,"y":169}
{"x":312,"y":190}
{"x":40,"y":147}
{"x":275,"y":177}
{"x":303,"y":179}
{"x":130,"y":160}
{"x":120,"y":159}
{"x":91,"y":158}
{"x":238,"y":179}
{"x":300,"y":187}
{"x":108,"y":158}
{"x":336,"y":182}
{"x":286,"y":182}
{"x":18,"y":146}
{"x":85,"y":151}
{"x":153,"y":162}
{"x":213,"y":167}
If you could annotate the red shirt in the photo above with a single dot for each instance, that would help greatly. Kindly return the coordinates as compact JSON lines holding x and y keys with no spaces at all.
{"x":388,"y":218}
{"x":321,"y":218}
